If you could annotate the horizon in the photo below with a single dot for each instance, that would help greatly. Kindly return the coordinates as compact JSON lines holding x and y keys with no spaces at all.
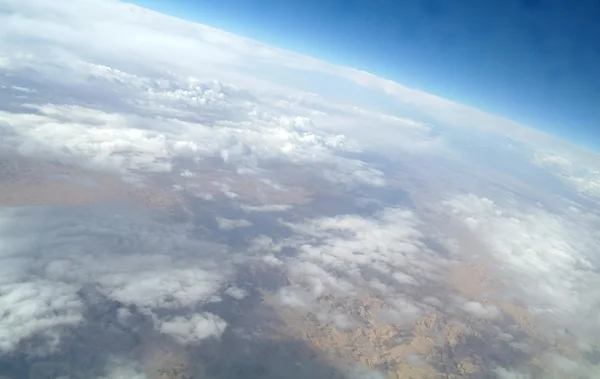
{"x":237,"y":22}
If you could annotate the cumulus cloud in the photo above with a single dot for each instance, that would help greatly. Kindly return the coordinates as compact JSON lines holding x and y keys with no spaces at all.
{"x":187,"y":174}
{"x":403,"y":278}
{"x":37,"y":308}
{"x":403,"y":311}
{"x":193,"y":328}
{"x":131,"y":139}
{"x":265,"y":244}
{"x":484,"y":311}
{"x":348,"y":256}
{"x":579,"y":169}
{"x":175,"y":288}
{"x":235,"y":292}
{"x":547,"y":256}
{"x":390,"y":241}
{"x":295,"y":297}
{"x":565,"y":367}
{"x":125,"y":107}
{"x":507,"y":374}
{"x":131,"y":41}
{"x":318,"y":279}
{"x":271,"y":260}
{"x":50,"y":254}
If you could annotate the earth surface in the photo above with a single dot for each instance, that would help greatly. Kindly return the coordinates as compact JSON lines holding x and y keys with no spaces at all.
{"x":180,"y":202}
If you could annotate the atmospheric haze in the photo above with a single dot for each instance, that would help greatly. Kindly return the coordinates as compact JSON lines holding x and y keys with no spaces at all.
{"x":180,"y":202}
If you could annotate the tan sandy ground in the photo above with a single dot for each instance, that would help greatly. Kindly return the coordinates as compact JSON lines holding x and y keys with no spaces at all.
{"x":162,"y":358}
{"x":388,"y":347}
{"x":377,"y":345}
{"x":472,"y":279}
{"x":28,"y":181}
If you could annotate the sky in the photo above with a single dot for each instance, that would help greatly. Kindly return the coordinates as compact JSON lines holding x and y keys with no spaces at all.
{"x":533,"y":61}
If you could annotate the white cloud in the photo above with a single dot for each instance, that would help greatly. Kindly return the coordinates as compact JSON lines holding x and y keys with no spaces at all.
{"x":48,"y":255}
{"x":216,"y":107}
{"x":548,"y":257}
{"x":194,"y":328}
{"x":507,"y":374}
{"x":187,"y":174}
{"x":484,"y":311}
{"x":295,"y":297}
{"x":317,"y":279}
{"x":235,"y":292}
{"x":124,"y":316}
{"x":138,"y":39}
{"x":402,"y":311}
{"x":348,"y":256}
{"x":100,"y":139}
{"x":174,"y":288}
{"x":505,"y":337}
{"x":343,"y":321}
{"x":404,"y":279}
{"x":106,"y":255}
{"x":271,"y":260}
{"x":265,"y":244}
{"x":389,"y":240}
{"x":565,"y":367}
{"x":581,"y":171}
{"x":135,"y":141}
{"x":433,"y":301}
{"x":379,"y":286}
{"x":40,"y":307}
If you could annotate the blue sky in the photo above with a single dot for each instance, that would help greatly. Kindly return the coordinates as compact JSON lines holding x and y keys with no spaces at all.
{"x":534,"y":61}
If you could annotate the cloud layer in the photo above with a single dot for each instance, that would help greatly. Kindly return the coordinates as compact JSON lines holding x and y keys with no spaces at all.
{"x":286,"y":195}
{"x":349,"y":256}
{"x":122,"y":106}
{"x":50,"y":255}
{"x":549,"y":257}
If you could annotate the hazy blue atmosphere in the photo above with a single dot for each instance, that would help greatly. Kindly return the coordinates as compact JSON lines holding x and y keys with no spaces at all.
{"x":533,"y":61}
{"x":178,"y":201}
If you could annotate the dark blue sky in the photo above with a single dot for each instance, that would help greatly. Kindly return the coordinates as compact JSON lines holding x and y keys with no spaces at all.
{"x":534,"y":61}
